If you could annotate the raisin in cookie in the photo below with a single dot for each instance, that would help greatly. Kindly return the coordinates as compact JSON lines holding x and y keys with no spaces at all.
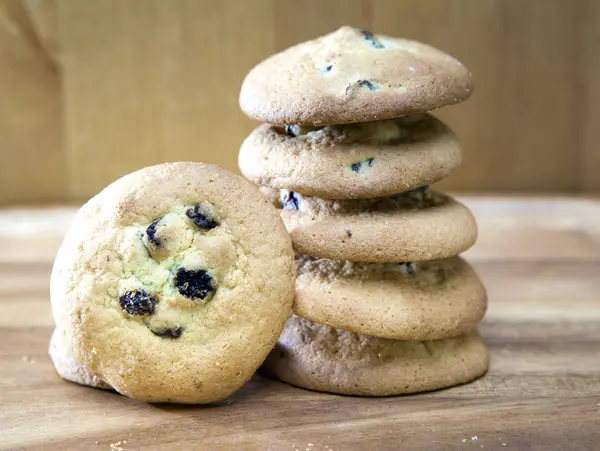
{"x":414,"y":226}
{"x":402,"y":301}
{"x":373,"y":159}
{"x":352,"y":76}
{"x":319,"y":357}
{"x":173,"y":284}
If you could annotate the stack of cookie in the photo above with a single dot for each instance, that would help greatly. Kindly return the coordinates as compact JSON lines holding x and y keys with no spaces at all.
{"x":383,"y":305}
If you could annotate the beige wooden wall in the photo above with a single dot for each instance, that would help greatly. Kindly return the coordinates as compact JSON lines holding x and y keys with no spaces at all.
{"x":93,"y":89}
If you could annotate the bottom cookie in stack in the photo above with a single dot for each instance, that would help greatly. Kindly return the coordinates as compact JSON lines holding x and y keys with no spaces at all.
{"x":322,"y":358}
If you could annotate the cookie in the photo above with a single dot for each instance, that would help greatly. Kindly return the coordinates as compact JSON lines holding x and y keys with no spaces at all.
{"x":403,"y":301}
{"x":373,"y":159}
{"x":173,"y":283}
{"x":321,"y":358}
{"x":414,"y":226}
{"x":350,"y":76}
{"x":61,"y":353}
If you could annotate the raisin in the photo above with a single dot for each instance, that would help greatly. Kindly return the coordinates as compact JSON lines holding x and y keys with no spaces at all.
{"x":290,"y":201}
{"x":408,"y":267}
{"x":328,"y":68}
{"x":356,"y":167}
{"x":138,"y":302}
{"x":168,"y":333}
{"x":348,"y":233}
{"x":351,"y":88}
{"x":289,"y":129}
{"x":194,"y":283}
{"x":151,"y":233}
{"x":371,"y":38}
{"x":367,"y":84}
{"x":201,"y":218}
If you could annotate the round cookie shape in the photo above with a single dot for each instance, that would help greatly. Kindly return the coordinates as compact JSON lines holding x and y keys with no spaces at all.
{"x":350,"y":76}
{"x":173,"y":283}
{"x":321,"y":358}
{"x":372,"y":159}
{"x":402,"y":301}
{"x":414,"y":226}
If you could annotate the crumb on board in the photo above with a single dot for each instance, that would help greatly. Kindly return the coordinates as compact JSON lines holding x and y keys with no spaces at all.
{"x":474,"y":438}
{"x":117,"y":446}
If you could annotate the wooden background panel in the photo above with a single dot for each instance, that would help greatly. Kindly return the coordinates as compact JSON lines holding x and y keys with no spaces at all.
{"x":519,"y":129}
{"x":590,"y":81}
{"x":32,"y":166}
{"x":294,"y":24}
{"x":152,"y":81}
{"x":99,"y":88}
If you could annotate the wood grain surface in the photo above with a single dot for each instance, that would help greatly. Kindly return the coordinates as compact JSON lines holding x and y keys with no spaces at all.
{"x":94,"y":89}
{"x":540,"y":260}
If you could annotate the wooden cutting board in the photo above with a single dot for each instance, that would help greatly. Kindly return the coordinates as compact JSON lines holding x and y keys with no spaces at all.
{"x":540,"y":259}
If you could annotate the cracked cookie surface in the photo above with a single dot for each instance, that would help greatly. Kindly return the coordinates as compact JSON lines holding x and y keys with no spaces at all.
{"x":321,"y":358}
{"x":350,"y":76}
{"x":173,"y":283}
{"x":367,"y":160}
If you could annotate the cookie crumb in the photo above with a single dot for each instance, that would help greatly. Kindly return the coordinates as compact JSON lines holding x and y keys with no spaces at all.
{"x":474,"y":438}
{"x":464,"y":440}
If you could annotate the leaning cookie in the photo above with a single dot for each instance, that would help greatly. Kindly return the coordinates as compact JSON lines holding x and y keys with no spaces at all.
{"x":402,"y":301}
{"x":414,"y":226}
{"x":352,"y":76}
{"x":173,"y":284}
{"x":372,"y":159}
{"x":321,"y":358}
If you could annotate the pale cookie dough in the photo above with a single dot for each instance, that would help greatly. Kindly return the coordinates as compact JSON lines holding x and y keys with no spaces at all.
{"x":403,"y":301}
{"x":352,"y":75}
{"x":61,"y":353}
{"x":172,"y":284}
{"x":415,"y":226}
{"x":372,"y":159}
{"x":319,"y":357}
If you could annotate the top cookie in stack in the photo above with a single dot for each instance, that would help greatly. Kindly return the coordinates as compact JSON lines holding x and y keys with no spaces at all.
{"x":351,"y":76}
{"x":348,"y":154}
